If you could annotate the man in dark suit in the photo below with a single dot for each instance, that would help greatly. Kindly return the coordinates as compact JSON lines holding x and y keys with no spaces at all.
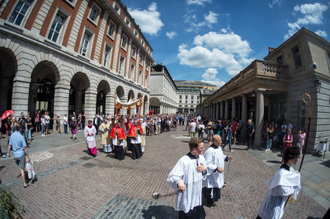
{"x":97,"y":123}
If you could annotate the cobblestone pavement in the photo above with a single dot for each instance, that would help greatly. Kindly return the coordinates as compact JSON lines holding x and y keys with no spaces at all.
{"x":72,"y":184}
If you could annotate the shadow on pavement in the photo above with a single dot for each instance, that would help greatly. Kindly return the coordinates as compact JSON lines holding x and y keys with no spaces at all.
{"x":326,"y":163}
{"x":160,"y":212}
{"x":273,"y":161}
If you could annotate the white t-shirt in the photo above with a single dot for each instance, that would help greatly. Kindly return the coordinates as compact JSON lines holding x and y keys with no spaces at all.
{"x":65,"y":119}
{"x":46,"y":119}
{"x":201,"y":127}
{"x":193,"y":126}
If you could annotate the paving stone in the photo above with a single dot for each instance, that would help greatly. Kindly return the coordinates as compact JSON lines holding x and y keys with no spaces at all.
{"x":322,"y":201}
{"x":325,"y":185}
{"x":317,"y":179}
{"x":309,"y":192}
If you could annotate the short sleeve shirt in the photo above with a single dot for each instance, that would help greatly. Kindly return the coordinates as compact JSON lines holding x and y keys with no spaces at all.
{"x":17,"y":143}
{"x":23,"y":121}
{"x":249,"y":129}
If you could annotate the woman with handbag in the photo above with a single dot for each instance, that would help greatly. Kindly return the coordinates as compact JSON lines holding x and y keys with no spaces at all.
{"x":270,"y":135}
{"x":287,"y":142}
{"x":301,"y":143}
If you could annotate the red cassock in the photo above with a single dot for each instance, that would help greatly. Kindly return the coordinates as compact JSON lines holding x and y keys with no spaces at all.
{"x":132,"y":132}
{"x":121,"y":133}
{"x":128,"y":125}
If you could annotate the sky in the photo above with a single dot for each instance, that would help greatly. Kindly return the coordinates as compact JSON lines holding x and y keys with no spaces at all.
{"x":213,"y":40}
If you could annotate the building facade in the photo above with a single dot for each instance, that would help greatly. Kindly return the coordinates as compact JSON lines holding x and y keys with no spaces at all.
{"x":273,"y":89}
{"x":163,"y":92}
{"x":189,"y":94}
{"x":68,"y":56}
{"x":204,"y":93}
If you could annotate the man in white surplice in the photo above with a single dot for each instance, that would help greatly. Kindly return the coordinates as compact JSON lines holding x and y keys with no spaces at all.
{"x":215,"y":163}
{"x":187,"y":177}
{"x":285,"y":184}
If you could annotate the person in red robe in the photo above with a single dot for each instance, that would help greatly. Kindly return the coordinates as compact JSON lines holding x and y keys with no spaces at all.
{"x":118,"y":135}
{"x":287,"y":142}
{"x":128,"y":125}
{"x":135,"y":133}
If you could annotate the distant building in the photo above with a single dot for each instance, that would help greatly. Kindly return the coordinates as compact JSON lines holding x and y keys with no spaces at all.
{"x":273,"y":89}
{"x":204,"y":93}
{"x":71,"y":56}
{"x":163,"y":92}
{"x":189,"y":94}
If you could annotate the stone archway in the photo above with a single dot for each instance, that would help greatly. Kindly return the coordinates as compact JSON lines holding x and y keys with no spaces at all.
{"x":8,"y":69}
{"x":145,"y":105}
{"x":44,"y":78}
{"x":121,"y":95}
{"x":78,"y":86}
{"x":103,"y":93}
{"x":154,"y":104}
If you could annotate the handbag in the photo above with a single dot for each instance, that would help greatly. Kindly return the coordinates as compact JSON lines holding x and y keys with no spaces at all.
{"x":29,"y":169}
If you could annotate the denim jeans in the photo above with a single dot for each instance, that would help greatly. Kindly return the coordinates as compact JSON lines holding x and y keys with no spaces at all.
{"x":42,"y":128}
{"x":29,"y":134}
{"x":228,"y":141}
{"x":269,"y":142}
{"x":65,"y":128}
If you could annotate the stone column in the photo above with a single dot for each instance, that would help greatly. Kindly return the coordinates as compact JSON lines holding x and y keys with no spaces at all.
{"x":61,"y":101}
{"x":233,"y":108}
{"x":221,"y":109}
{"x":109,"y":103}
{"x":226,"y":109}
{"x":20,"y":97}
{"x":161,"y":110}
{"x":244,"y":116}
{"x":116,"y":56}
{"x":259,"y":117}
{"x":90,"y":104}
{"x":269,"y":109}
{"x":288,"y":108}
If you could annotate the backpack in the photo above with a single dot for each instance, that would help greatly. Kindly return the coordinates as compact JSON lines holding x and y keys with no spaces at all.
{"x":72,"y":124}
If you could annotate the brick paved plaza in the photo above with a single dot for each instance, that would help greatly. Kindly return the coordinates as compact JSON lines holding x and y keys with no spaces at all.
{"x":72,"y":184}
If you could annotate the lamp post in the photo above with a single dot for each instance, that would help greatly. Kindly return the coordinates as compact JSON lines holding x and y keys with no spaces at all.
{"x":317,"y":84}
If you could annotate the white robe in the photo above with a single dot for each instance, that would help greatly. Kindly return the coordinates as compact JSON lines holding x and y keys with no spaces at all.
{"x":90,"y":139}
{"x":283,"y":184}
{"x":214,"y":158}
{"x":185,"y":169}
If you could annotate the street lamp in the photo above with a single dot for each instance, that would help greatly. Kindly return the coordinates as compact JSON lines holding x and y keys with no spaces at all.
{"x":317,"y":84}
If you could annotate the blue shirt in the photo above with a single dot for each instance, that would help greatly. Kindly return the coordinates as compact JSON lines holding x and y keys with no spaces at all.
{"x":17,"y":143}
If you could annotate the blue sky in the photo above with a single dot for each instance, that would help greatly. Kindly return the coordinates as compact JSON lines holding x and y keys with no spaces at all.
{"x":213,"y":40}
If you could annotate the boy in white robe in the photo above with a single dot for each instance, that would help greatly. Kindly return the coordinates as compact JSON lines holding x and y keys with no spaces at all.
{"x":215,"y":166}
{"x":187,"y":177}
{"x":285,"y":184}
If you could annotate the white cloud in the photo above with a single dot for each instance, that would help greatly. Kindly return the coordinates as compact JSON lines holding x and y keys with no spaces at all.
{"x":312,"y":15}
{"x":217,"y":50}
{"x":211,"y":17}
{"x":274,"y":2}
{"x":171,"y":35}
{"x":148,"y":20}
{"x":198,"y":2}
{"x":321,"y":33}
{"x":209,"y":76}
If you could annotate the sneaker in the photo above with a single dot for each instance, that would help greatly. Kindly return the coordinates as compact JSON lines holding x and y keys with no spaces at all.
{"x":231,"y":151}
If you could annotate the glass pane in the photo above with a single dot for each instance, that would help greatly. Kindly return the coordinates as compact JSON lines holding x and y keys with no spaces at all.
{"x":19,"y":19}
{"x":24,"y":9}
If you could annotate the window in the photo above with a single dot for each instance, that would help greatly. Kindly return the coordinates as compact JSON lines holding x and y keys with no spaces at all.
{"x":328,"y":56}
{"x":180,"y":96}
{"x":146,"y":80}
{"x":132,"y":71}
{"x":147,"y":65}
{"x":186,"y":96}
{"x":124,"y":42}
{"x":140,"y":77}
{"x":280,"y":60}
{"x":94,"y":13}
{"x":197,"y":97}
{"x":56,"y":27}
{"x":180,"y":101}
{"x":127,"y":22}
{"x":134,"y":52}
{"x":85,"y":43}
{"x":20,"y":10}
{"x":141,"y":57}
{"x":192,"y":97}
{"x":111,"y":30}
{"x":107,"y":55}
{"x":186,"y":101}
{"x":192,"y":101}
{"x":121,"y":64}
{"x":296,"y":57}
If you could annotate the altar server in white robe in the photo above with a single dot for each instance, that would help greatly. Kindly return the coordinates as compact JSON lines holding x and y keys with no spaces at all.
{"x":285,"y":184}
{"x":187,"y":177}
{"x":215,"y":163}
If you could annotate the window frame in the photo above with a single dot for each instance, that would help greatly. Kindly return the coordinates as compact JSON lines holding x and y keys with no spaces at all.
{"x":131,"y":73}
{"x":122,"y":40}
{"x":141,"y":58}
{"x":97,"y":16}
{"x":26,"y":15}
{"x":120,"y":66}
{"x":114,"y":30}
{"x":89,"y":45}
{"x":108,"y":61}
{"x":295,"y":57}
{"x":61,"y":34}
{"x":134,"y":47}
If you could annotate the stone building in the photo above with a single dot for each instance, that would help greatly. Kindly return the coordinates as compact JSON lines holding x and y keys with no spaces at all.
{"x":204,"y":93}
{"x":189,"y":94}
{"x":71,"y":55}
{"x":163,"y":91}
{"x":273,"y":89}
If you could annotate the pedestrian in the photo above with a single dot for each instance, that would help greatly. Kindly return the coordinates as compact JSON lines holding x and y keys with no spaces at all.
{"x":42,"y":124}
{"x":229,"y":137}
{"x":37,"y":121}
{"x":83,"y":119}
{"x":65,"y":123}
{"x":47,"y":121}
{"x":18,"y":144}
{"x":215,"y":158}
{"x":89,"y":133}
{"x":29,"y":129}
{"x":249,"y":132}
{"x":58,"y":125}
{"x":187,"y":176}
{"x":135,"y":133}
{"x":210,"y":131}
{"x":234,"y":129}
{"x":80,"y":122}
{"x":192,"y":128}
{"x":270,"y":134}
{"x":22,"y":121}
{"x":96,"y":123}
{"x":301,"y":143}
{"x":118,"y":136}
{"x":105,"y":135}
{"x":201,"y":130}
{"x":283,"y":186}
{"x":73,"y":126}
{"x":9,"y":125}
{"x":287,"y":142}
